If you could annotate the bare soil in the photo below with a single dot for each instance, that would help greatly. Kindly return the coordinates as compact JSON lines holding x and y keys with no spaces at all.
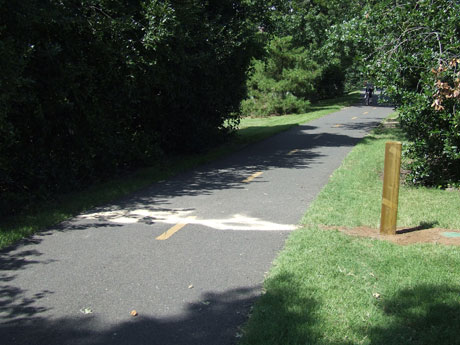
{"x":404,"y":236}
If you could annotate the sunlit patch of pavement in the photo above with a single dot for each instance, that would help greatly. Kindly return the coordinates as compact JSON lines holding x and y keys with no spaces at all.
{"x":236,"y":222}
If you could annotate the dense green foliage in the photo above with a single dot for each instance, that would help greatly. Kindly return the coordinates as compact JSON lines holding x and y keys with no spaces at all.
{"x":304,"y":62}
{"x":284,"y":83}
{"x":416,"y":50}
{"x":94,"y":86}
{"x":410,"y":48}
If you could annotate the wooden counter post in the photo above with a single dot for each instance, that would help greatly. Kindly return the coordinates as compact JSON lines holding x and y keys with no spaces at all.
{"x":390,"y":188}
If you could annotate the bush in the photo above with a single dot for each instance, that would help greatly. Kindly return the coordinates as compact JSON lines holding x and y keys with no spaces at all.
{"x":432,"y":124}
{"x":330,"y":83}
{"x":283,"y":82}
{"x":416,"y":59}
{"x":94,"y":87}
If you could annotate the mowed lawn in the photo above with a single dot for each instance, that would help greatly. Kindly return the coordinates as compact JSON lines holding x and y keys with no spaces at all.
{"x":330,"y":288}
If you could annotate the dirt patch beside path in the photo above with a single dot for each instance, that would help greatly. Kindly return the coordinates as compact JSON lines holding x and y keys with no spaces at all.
{"x":404,"y":236}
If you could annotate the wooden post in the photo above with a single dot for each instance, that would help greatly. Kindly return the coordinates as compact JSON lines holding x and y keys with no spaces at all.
{"x":390,"y":188}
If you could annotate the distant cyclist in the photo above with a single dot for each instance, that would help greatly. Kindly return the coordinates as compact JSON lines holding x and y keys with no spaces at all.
{"x":369,"y":92}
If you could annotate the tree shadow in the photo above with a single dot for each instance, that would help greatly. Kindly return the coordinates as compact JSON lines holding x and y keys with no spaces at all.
{"x":362,"y":125}
{"x":14,"y":302}
{"x":18,"y":257}
{"x":201,"y":323}
{"x":299,"y":147}
{"x":284,"y":316}
{"x":215,"y":321}
{"x":296,"y":148}
{"x":15,"y":305}
{"x":424,"y":314}
{"x":85,"y":225}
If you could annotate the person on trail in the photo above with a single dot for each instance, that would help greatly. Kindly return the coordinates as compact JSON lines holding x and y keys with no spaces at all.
{"x":369,"y":92}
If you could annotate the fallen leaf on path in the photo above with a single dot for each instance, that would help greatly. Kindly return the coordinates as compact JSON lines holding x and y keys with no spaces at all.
{"x":86,"y":311}
{"x":134,"y":313}
{"x":190,"y":286}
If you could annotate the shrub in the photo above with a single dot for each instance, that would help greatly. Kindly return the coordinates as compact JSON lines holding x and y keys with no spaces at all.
{"x":94,"y":87}
{"x":283,"y":82}
{"x":432,"y":124}
{"x":416,"y":58}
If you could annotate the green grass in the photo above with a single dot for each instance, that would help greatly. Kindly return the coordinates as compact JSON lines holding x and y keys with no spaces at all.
{"x":262,"y":127}
{"x":353,"y":195}
{"x":329,"y":288}
{"x":45,"y":215}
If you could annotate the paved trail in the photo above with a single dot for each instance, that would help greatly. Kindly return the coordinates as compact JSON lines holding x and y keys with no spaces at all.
{"x":188,"y":254}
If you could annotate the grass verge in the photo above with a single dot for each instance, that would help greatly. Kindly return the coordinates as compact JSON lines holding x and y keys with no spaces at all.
{"x":329,"y":288}
{"x":262,"y":127}
{"x":65,"y":206}
{"x":353,"y":195}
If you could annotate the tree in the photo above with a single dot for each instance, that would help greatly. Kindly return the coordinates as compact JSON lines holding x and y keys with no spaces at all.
{"x":95,"y":87}
{"x":282,"y":83}
{"x":300,"y":31}
{"x":415,"y":58}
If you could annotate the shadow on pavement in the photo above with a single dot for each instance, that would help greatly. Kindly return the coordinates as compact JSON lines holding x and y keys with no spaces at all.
{"x":229,"y":173}
{"x":14,"y":304}
{"x":23,"y":323}
{"x":297,"y":148}
{"x":362,"y":126}
{"x":213,"y":322}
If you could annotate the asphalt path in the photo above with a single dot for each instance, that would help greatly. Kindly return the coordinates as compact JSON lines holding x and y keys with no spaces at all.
{"x":188,"y":254}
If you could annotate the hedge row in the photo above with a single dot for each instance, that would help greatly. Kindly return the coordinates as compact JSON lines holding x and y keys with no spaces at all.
{"x":91,"y":87}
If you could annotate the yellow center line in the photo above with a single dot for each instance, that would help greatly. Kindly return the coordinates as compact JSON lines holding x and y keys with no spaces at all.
{"x":337,"y":125}
{"x":354,"y":117}
{"x":292,"y":152}
{"x":172,"y":231}
{"x":252,"y":177}
{"x":366,"y":112}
